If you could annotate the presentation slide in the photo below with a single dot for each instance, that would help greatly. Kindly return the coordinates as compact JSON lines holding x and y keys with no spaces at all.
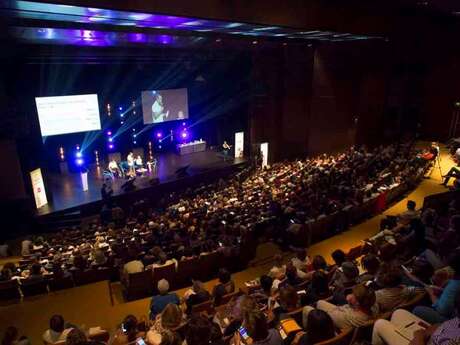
{"x":164,"y":105}
{"x":68,"y":114}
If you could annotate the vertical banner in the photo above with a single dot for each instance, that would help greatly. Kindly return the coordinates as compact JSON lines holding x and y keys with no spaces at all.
{"x":264,"y":152}
{"x":38,"y":187}
{"x":84,"y":180}
{"x":239,"y":144}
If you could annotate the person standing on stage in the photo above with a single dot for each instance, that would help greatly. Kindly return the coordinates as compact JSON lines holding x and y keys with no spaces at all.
{"x":226,"y":149}
{"x":130,"y":160}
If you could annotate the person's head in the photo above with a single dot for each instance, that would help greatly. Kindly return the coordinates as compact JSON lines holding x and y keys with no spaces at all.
{"x":35,"y":269}
{"x":256,"y":324}
{"x":75,"y":337}
{"x":278,"y":259}
{"x":319,"y":263}
{"x":163,"y":286}
{"x":224,"y":276}
{"x":57,"y":323}
{"x":350,"y":271}
{"x":198,"y":331}
{"x":370,"y":263}
{"x":171,"y":316}
{"x":288,"y":298}
{"x":338,"y":256}
{"x":411,"y":205}
{"x":301,"y":254}
{"x":362,"y":297}
{"x":320,"y":282}
{"x":320,"y":326}
{"x":387,"y":252}
{"x":197,"y":286}
{"x":129,"y":327}
{"x":170,"y":338}
{"x":391,"y":278}
{"x":10,"y":336}
{"x":162,"y":258}
{"x":266,"y":283}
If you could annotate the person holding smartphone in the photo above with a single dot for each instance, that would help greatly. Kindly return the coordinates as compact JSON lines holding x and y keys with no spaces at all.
{"x":255,"y":331}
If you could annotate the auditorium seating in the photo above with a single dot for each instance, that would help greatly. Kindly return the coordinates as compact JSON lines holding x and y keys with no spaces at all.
{"x":167,"y":272}
{"x":9,"y":290}
{"x":138,"y":285}
{"x":34,"y":288}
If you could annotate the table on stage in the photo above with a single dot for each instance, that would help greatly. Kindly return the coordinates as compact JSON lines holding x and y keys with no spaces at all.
{"x":194,"y":146}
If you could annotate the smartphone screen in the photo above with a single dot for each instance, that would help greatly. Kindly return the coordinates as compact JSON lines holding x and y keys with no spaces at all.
{"x":140,"y":341}
{"x":243,"y":332}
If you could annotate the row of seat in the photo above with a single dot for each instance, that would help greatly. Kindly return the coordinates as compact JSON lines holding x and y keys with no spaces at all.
{"x":205,"y":267}
{"x":13,"y":290}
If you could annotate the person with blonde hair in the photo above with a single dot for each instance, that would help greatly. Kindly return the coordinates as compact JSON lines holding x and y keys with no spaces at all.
{"x":170,"y":319}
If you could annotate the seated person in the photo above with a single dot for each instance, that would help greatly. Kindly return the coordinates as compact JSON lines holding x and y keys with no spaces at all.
{"x":198,"y":294}
{"x":113,"y":168}
{"x":57,"y":331}
{"x":279,"y":269}
{"x":128,"y":332}
{"x":133,"y":266}
{"x":138,"y":162}
{"x":443,"y":306}
{"x":319,"y":328}
{"x":387,"y":332}
{"x":393,"y":293}
{"x":170,"y":319}
{"x":224,"y":287}
{"x":160,"y":301}
{"x":371,"y":265}
{"x":258,"y":330}
{"x":35,"y":274}
{"x":360,"y":309}
{"x":318,"y":287}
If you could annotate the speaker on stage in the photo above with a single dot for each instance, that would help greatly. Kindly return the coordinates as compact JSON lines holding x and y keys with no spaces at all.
{"x":129,"y":185}
{"x":154,"y":181}
{"x":182,"y":171}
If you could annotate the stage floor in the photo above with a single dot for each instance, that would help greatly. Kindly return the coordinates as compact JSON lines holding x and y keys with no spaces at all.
{"x":67,"y":193}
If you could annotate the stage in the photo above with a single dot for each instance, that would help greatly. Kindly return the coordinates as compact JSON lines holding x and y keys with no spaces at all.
{"x":66,"y":193}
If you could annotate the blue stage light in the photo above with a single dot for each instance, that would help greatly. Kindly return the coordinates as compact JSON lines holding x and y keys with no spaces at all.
{"x":134,"y":129}
{"x":110,"y":139}
{"x":79,"y":161}
{"x":120,"y":108}
{"x":78,"y":154}
{"x":184,"y":135}
{"x":134,"y":135}
{"x":183,"y":123}
{"x":134,"y":142}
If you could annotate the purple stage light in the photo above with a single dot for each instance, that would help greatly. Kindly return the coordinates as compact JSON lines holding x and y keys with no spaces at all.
{"x":111,"y":146}
{"x":159,"y":135}
{"x":109,"y":133}
{"x":183,"y":123}
{"x":184,"y":135}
